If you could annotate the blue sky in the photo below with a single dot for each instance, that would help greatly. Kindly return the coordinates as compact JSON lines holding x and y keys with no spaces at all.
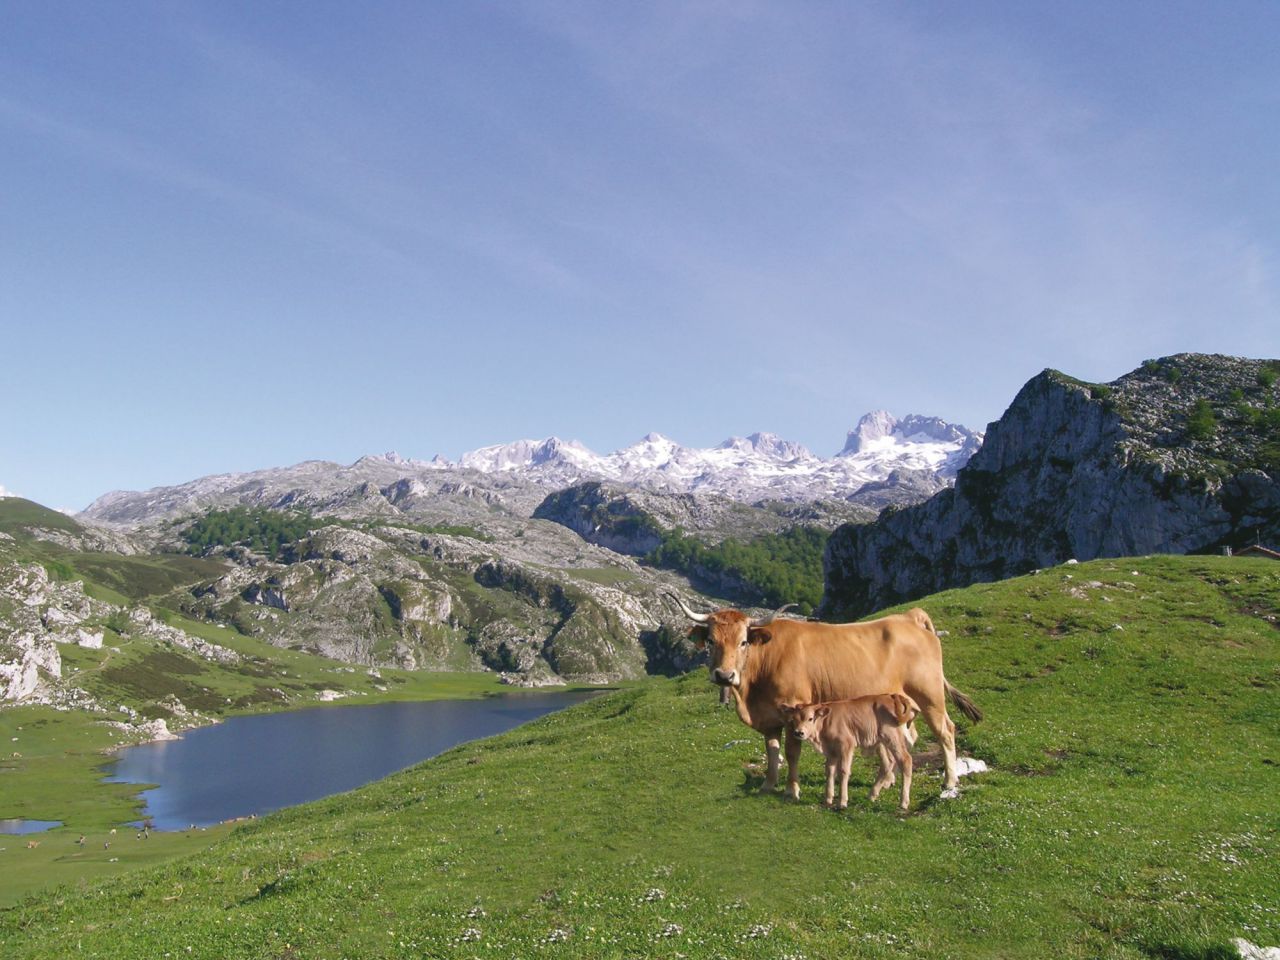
{"x":239,"y":235}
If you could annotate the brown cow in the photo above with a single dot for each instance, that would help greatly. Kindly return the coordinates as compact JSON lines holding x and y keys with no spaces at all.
{"x":772,"y":661}
{"x":874,"y":725}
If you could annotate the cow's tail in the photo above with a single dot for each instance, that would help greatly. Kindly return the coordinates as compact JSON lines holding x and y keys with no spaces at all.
{"x":963,"y":703}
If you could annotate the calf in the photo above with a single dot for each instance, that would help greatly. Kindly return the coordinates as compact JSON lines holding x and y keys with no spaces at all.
{"x":882,"y":724}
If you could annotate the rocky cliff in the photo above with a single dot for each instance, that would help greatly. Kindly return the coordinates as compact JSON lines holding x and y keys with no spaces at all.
{"x":1179,"y":456}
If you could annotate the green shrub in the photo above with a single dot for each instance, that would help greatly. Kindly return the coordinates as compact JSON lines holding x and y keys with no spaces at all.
{"x":118,"y":622}
{"x":1201,"y":424}
{"x":58,"y":570}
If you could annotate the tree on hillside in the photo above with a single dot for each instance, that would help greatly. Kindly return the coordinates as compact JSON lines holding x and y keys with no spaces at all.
{"x":265,"y":531}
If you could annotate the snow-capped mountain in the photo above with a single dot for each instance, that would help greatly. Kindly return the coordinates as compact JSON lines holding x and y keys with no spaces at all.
{"x":762,"y":466}
{"x":884,"y":460}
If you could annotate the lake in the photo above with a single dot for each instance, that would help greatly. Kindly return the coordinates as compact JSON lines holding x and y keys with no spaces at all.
{"x":28,"y":826}
{"x":253,"y":765}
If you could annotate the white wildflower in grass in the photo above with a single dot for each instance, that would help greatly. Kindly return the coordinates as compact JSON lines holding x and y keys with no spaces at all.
{"x":653,"y":895}
{"x":475,"y":912}
{"x":672,"y":930}
{"x":757,"y":931}
{"x":469,"y":935}
{"x":557,"y":935}
{"x":888,"y":939}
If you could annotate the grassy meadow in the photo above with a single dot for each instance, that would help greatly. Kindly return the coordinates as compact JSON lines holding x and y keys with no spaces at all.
{"x":51,"y":766}
{"x":51,"y":760}
{"x":1133,"y":731}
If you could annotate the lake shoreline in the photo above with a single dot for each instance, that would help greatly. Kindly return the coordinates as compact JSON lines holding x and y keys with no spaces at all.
{"x":61,"y":758}
{"x":257,"y":764}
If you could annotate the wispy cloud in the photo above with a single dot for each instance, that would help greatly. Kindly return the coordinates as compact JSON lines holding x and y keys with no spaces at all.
{"x":899,"y":189}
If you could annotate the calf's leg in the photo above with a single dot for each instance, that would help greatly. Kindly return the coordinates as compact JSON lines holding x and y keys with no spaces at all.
{"x":885,"y":779}
{"x":831,"y":781}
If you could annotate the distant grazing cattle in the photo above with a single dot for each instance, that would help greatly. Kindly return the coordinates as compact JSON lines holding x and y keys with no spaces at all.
{"x":874,"y":725}
{"x":772,"y":661}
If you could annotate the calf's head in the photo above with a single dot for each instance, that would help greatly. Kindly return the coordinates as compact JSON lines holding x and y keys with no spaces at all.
{"x":802,"y":719}
{"x":728,"y":636}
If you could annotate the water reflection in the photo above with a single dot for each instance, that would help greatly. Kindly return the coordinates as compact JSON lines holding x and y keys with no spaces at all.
{"x":252,"y":765}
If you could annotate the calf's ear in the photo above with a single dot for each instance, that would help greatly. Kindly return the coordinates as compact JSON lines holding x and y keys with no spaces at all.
{"x":698,"y":635}
{"x":786,"y":709}
{"x":759,"y":635}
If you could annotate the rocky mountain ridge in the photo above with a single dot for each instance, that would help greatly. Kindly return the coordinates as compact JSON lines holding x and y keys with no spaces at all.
{"x":529,"y":599}
{"x":488,"y":563}
{"x":884,"y":461}
{"x":1181,"y":455}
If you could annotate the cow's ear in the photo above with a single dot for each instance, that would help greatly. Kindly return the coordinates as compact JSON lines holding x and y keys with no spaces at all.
{"x":786,"y":709}
{"x":698,"y":635}
{"x":821,"y":711}
{"x":759,"y":635}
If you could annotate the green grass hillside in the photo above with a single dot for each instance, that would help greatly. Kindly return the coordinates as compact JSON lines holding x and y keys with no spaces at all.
{"x":113,"y":577}
{"x":18,"y":515}
{"x":1133,"y":729}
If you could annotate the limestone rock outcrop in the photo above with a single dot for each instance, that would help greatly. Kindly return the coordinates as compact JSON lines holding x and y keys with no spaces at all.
{"x":1179,"y":456}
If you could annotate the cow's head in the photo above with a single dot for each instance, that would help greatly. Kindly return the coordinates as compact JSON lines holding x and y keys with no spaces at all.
{"x":728,"y":636}
{"x":802,"y":719}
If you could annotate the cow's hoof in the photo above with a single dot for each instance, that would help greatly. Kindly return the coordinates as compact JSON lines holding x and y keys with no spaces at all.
{"x":840,"y":807}
{"x":950,"y":793}
{"x":767,"y":789}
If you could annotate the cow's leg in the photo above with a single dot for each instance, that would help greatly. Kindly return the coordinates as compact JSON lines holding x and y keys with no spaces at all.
{"x":831,"y":782}
{"x":794,"y":748}
{"x":846,"y":762}
{"x":904,"y":758}
{"x":773,"y":752}
{"x":935,"y":714}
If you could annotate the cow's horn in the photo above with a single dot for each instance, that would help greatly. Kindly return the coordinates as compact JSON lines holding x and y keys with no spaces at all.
{"x":765,"y":621}
{"x":696,"y":617}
